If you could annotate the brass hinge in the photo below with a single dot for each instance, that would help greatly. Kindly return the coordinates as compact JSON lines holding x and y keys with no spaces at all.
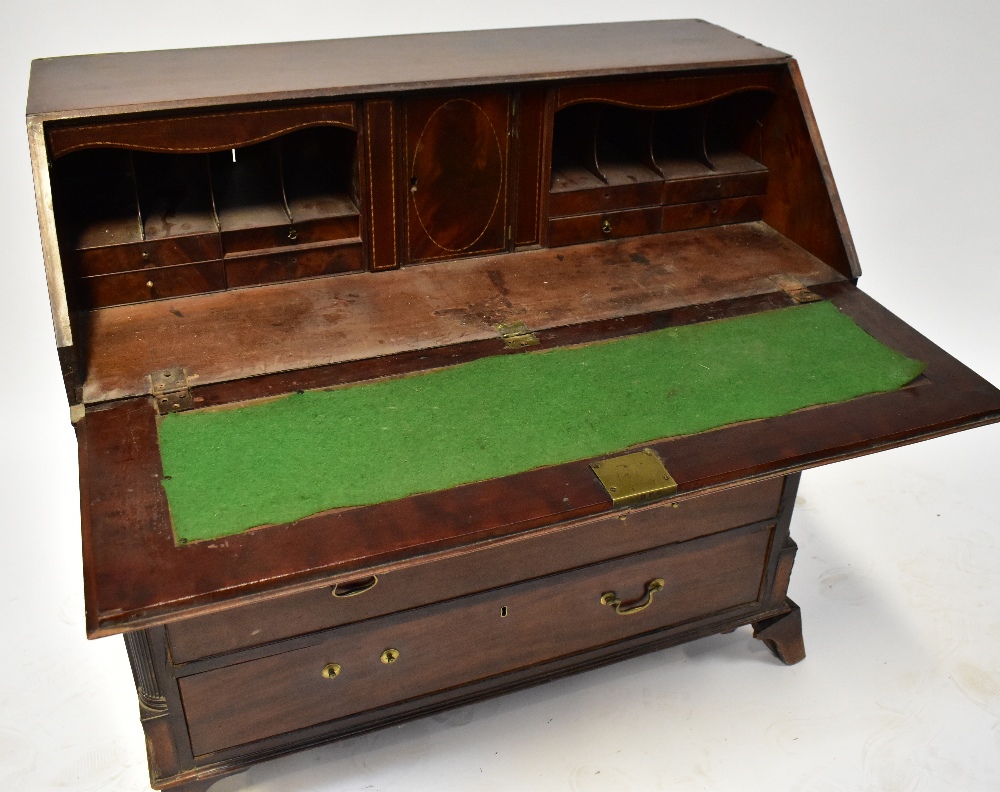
{"x":516,"y":335}
{"x":171,"y":390}
{"x":795,"y":289}
{"x":634,"y":478}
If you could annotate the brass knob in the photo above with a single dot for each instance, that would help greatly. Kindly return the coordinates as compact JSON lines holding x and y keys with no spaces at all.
{"x":293,"y":234}
{"x":331,"y":670}
{"x":606,"y":226}
{"x":612,"y":599}
{"x":390,"y":656}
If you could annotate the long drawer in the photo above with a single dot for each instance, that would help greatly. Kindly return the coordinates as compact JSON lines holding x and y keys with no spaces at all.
{"x":363,"y":666}
{"x":539,"y":553}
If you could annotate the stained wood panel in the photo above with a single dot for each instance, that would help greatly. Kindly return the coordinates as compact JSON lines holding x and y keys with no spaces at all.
{"x":201,"y":132}
{"x":574,"y":544}
{"x":469,"y":639}
{"x":457,"y":155}
{"x":357,"y":316}
{"x":802,"y":201}
{"x":531,"y":151}
{"x":306,"y":69}
{"x":380,"y":165}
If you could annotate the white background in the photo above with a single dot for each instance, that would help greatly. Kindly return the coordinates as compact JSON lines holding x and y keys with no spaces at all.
{"x":899,"y":553}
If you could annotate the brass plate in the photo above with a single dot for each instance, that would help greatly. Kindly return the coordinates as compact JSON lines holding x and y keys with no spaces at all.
{"x":516,"y":335}
{"x":635,"y":477}
{"x":795,"y":289}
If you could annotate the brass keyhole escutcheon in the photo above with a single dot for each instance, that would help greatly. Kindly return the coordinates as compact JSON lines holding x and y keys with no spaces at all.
{"x":331,"y":670}
{"x":612,"y":599}
{"x":606,"y":226}
{"x":390,"y":656}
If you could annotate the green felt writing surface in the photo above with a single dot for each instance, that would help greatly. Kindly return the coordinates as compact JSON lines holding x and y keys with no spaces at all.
{"x":278,"y":461}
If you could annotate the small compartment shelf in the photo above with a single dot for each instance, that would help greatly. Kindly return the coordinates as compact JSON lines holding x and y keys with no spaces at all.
{"x":96,"y":193}
{"x":320,"y":184}
{"x":620,"y":171}
{"x":249,"y":198}
{"x":149,"y":225}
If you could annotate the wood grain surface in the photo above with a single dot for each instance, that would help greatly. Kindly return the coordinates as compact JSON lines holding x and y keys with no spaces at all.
{"x":353,"y":317}
{"x":522,"y":558}
{"x":474,"y":637}
{"x":80,"y":86}
{"x":140,"y":576}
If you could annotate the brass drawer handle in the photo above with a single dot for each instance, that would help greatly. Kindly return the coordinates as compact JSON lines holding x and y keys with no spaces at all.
{"x":352,"y":588}
{"x":610,"y":598}
{"x":606,"y":226}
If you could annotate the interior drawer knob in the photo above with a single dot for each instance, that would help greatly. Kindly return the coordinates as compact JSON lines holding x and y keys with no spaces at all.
{"x":606,"y":226}
{"x":352,"y":588}
{"x":623,"y":609}
{"x":331,"y":670}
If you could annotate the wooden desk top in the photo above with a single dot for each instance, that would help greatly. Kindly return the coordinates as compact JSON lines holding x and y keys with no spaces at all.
{"x":86,"y":85}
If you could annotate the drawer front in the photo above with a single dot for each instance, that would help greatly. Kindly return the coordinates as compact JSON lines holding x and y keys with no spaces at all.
{"x":153,"y":253}
{"x":608,"y":225}
{"x":153,"y":284}
{"x":452,"y":644}
{"x":288,"y":234}
{"x":604,"y":199}
{"x":712,"y":188}
{"x":269,"y":232}
{"x":292,"y":264}
{"x":529,"y":556}
{"x":327,"y":229}
{"x":684,"y":217}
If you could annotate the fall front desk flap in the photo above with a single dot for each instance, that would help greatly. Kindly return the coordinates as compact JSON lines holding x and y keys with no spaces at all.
{"x":227,"y":470}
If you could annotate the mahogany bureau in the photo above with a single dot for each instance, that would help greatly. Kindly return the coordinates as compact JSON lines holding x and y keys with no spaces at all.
{"x":224,"y":226}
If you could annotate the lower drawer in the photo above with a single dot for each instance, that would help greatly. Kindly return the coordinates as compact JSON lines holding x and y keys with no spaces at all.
{"x":541,"y":552}
{"x":360,"y":667}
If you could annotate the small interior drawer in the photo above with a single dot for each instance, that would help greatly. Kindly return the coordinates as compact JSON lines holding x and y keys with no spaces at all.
{"x":190,"y":249}
{"x":301,"y":261}
{"x":152,"y":284}
{"x":711,"y":213}
{"x":565,"y":200}
{"x":562,"y":547}
{"x":364,"y":666}
{"x":734,"y":175}
{"x":327,"y":228}
{"x":607,"y":225}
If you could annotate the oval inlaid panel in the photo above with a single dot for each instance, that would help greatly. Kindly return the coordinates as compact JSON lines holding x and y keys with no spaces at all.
{"x":456,"y":181}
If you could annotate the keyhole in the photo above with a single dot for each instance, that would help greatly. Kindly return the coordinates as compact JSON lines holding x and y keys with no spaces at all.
{"x":413,"y":184}
{"x":503,"y":611}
